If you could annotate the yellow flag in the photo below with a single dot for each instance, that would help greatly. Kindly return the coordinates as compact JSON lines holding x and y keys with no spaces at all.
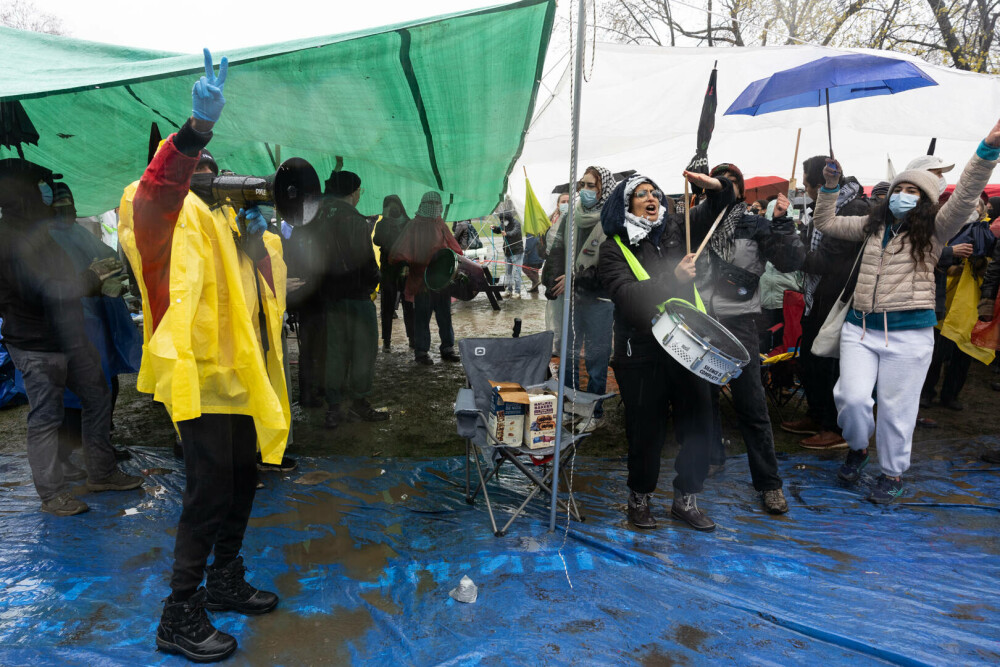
{"x":536,"y":221}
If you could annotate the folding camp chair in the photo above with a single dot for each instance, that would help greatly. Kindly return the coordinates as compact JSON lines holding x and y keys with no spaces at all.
{"x":779,"y":367}
{"x":525,"y":361}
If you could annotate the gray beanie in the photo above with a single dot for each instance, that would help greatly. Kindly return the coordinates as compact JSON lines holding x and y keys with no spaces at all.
{"x":925,"y":180}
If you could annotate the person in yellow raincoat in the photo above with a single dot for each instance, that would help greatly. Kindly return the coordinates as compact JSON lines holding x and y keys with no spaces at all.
{"x":213,"y":299}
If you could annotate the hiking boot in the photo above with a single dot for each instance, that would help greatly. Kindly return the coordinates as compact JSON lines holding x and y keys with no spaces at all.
{"x":227,"y":590}
{"x":386,"y":346}
{"x":64,"y":504}
{"x":991,"y":456}
{"x":685,"y":508}
{"x":638,"y":510}
{"x":824,"y":440}
{"x":805,"y":426}
{"x":450,"y":356}
{"x":332,"y":419}
{"x":774,"y":501}
{"x":362,"y":409}
{"x":424,"y":359}
{"x":886,"y":490}
{"x":287,"y":464}
{"x":184,"y":628}
{"x":855,"y":462}
{"x":953,"y":404}
{"x":116,"y":481}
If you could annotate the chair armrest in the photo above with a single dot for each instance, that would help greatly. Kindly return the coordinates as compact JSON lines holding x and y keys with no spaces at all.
{"x":466,"y":413}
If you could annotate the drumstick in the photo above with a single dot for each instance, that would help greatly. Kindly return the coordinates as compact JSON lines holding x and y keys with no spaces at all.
{"x":687,"y":215}
{"x":708,"y":236}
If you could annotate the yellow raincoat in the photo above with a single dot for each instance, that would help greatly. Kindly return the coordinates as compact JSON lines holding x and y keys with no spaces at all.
{"x":205,"y":355}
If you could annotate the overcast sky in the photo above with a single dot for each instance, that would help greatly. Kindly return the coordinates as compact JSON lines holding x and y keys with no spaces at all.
{"x":188,"y":25}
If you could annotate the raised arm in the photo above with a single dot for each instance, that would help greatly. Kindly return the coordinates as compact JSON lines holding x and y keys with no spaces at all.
{"x":825,"y":218}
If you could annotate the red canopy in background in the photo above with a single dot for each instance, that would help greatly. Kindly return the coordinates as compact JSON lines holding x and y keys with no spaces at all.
{"x":762,"y":187}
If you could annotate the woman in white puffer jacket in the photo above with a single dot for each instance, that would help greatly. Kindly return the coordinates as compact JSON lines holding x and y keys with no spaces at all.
{"x":887,"y":340}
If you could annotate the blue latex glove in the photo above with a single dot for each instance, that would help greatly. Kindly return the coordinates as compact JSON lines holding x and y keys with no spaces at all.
{"x":206,"y":96}
{"x":256,"y":224}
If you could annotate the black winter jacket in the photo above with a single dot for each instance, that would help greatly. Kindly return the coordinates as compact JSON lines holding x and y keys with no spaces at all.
{"x":343,"y":245}
{"x":513,"y":240}
{"x":659,"y":253}
{"x":992,"y":278}
{"x":40,"y":292}
{"x":832,"y":260}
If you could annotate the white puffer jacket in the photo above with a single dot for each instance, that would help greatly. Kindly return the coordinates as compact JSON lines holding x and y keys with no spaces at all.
{"x":890,"y":280}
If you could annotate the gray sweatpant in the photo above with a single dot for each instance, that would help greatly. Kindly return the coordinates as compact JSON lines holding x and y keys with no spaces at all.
{"x":896,"y":369}
{"x":46,"y":376}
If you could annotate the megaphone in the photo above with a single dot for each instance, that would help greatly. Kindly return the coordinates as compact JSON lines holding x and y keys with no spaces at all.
{"x":459,"y":277}
{"x":293,"y":190}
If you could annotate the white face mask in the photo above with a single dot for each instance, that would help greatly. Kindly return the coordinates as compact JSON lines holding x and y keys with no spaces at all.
{"x":942,"y":184}
{"x":564,"y":207}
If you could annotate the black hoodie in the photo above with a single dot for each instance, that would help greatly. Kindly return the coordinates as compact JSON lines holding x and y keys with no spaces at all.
{"x":659,"y":253}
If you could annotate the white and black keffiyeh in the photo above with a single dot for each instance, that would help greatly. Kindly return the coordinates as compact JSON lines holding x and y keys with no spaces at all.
{"x":638,"y":227}
{"x":724,"y":239}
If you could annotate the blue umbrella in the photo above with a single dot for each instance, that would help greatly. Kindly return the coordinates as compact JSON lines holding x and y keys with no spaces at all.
{"x":829,"y":79}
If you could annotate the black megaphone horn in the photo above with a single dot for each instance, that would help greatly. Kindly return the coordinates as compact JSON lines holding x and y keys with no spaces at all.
{"x":293,"y":190}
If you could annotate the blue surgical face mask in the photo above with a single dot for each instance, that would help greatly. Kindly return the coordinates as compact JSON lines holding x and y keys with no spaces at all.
{"x":564,"y":207}
{"x":46,"y":191}
{"x":901,"y":203}
{"x":588,"y":198}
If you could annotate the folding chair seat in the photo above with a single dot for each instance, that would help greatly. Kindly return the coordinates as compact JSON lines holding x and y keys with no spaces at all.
{"x":525,"y":361}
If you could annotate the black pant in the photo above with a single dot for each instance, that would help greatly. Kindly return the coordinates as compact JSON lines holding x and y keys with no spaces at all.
{"x":750,"y":404}
{"x":389,"y":293}
{"x":312,"y":354}
{"x":958,"y":362}
{"x":650,"y":391}
{"x":819,"y":375}
{"x":220,"y":459}
{"x":426,"y":304}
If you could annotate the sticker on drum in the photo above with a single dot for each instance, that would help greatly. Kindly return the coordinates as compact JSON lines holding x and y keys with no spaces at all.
{"x":699,"y":343}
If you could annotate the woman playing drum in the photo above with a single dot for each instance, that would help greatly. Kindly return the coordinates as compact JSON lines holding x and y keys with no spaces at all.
{"x":642,"y":264}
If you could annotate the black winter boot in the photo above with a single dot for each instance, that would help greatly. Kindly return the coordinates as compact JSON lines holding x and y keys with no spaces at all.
{"x":185,"y":629}
{"x":638,"y":510}
{"x":685,"y":508}
{"x":228,"y":589}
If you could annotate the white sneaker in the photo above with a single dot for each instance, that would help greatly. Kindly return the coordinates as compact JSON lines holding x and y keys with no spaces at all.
{"x":592,"y":425}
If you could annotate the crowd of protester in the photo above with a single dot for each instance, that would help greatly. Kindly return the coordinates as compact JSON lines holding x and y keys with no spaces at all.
{"x":910,"y":268}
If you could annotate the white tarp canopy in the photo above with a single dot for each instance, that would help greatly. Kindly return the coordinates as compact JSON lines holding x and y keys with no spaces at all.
{"x":641,"y":106}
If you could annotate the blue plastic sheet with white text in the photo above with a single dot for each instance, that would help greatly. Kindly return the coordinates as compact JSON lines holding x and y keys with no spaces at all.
{"x":363,"y":553}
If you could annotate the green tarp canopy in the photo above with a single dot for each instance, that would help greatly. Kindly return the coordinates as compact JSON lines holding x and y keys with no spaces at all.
{"x":439,"y":104}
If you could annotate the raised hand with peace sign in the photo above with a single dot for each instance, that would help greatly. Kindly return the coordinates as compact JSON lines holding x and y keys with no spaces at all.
{"x":206,"y":96}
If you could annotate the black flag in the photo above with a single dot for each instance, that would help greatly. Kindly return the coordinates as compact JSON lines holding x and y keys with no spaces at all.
{"x":706,"y":126}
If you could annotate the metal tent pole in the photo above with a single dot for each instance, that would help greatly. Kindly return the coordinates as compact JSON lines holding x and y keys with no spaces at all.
{"x":569,"y":242}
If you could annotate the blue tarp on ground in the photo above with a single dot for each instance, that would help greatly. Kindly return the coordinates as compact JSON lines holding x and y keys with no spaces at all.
{"x":364,"y":560}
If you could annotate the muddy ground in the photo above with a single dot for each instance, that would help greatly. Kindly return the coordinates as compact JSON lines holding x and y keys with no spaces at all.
{"x":419,"y":400}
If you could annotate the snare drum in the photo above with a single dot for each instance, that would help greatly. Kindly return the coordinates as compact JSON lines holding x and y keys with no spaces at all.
{"x":699,"y":343}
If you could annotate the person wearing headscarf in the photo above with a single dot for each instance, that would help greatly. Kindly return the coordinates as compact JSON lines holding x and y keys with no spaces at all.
{"x":387,"y":232}
{"x":738,"y":252}
{"x":425,"y":235}
{"x":886,"y":341}
{"x":593,"y":312}
{"x":643,"y":263}
{"x":350,"y":276}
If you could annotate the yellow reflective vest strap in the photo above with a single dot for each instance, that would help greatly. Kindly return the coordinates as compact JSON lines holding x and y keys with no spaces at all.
{"x":641,"y":274}
{"x":205,"y":355}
